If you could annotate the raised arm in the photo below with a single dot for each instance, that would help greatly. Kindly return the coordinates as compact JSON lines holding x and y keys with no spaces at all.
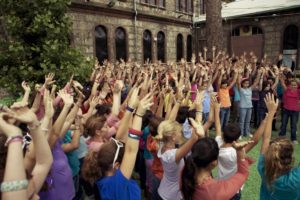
{"x":233,"y":80}
{"x":56,"y":130}
{"x":124,"y":125}
{"x":14,"y":168}
{"x":257,"y":135}
{"x":74,"y":144}
{"x":132,"y":143}
{"x":272,"y":107}
{"x":27,"y":90}
{"x":256,"y":82}
{"x":198,"y":132}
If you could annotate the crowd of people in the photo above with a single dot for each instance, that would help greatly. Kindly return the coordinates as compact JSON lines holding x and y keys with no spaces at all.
{"x":155,"y":131}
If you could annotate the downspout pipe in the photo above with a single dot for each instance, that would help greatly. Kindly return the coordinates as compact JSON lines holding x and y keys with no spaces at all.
{"x":135,"y":30}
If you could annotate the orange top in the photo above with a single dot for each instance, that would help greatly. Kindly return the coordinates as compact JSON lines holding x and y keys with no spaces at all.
{"x":224,"y":97}
{"x":157,"y":168}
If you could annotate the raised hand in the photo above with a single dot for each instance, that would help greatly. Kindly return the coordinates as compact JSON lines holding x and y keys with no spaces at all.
{"x":271,"y":103}
{"x":95,"y":101}
{"x":241,"y":145}
{"x":198,"y":128}
{"x":25,"y":86}
{"x":49,"y":79}
{"x":145,"y":104}
{"x":6,"y":128}
{"x":67,"y":98}
{"x":24,"y":115}
{"x":134,"y":100}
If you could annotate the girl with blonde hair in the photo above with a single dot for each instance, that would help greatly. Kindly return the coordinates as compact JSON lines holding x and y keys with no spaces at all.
{"x":169,"y":133}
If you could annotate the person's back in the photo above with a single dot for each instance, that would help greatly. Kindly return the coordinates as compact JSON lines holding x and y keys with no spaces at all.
{"x":286,"y":186}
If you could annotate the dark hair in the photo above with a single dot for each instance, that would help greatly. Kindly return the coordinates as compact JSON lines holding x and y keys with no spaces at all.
{"x":204,"y":152}
{"x":231,"y":133}
{"x":103,"y":110}
{"x":153,"y":125}
{"x":224,"y":82}
{"x":147,"y":116}
{"x":184,"y":113}
{"x":97,"y":164}
{"x":243,"y":81}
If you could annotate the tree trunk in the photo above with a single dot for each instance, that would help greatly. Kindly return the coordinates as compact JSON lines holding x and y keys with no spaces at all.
{"x":214,"y":30}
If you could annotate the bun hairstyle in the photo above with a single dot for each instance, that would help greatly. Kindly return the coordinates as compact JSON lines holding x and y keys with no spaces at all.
{"x":166,"y":129}
{"x":97,"y":164}
{"x":279,"y":159}
{"x":204,"y":152}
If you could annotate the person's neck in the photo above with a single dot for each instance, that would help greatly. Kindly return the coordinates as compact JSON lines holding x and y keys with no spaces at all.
{"x":97,"y":138}
{"x":203,"y":175}
{"x":168,"y":145}
{"x":226,"y":145}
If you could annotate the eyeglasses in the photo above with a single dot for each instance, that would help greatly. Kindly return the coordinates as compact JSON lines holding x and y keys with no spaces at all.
{"x":119,"y":145}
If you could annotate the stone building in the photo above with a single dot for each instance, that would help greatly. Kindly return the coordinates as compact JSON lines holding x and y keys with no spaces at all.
{"x":135,"y":29}
{"x":262,"y":26}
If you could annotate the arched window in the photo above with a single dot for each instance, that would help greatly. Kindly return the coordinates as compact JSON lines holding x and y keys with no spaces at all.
{"x":120,"y":40}
{"x":290,"y":37}
{"x":147,"y":45}
{"x":101,"y":43}
{"x":179,"y":51}
{"x":161,"y":46}
{"x":189,"y":48}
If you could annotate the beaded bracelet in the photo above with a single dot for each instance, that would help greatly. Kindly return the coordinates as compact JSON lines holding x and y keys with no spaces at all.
{"x":16,"y":138}
{"x":10,"y":186}
{"x":138,"y":115}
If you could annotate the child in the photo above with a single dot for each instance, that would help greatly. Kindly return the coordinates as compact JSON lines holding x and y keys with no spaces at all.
{"x":275,"y":166}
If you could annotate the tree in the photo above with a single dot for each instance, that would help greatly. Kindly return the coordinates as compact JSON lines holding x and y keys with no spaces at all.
{"x":36,"y":40}
{"x":214,"y":30}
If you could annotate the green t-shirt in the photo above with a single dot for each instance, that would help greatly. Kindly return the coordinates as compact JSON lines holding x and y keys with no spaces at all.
{"x":72,"y":155}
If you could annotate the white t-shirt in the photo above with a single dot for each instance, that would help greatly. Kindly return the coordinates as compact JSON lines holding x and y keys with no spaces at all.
{"x":227,"y":160}
{"x":169,"y":185}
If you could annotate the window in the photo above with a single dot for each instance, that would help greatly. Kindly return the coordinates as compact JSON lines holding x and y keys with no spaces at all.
{"x":290,"y":37}
{"x":161,"y":46}
{"x":184,"y":6}
{"x":120,"y":40}
{"x":101,"y":43}
{"x":179,"y":49}
{"x":189,"y":48}
{"x":157,"y":3}
{"x":256,"y":30}
{"x":202,"y":7}
{"x":147,"y":45}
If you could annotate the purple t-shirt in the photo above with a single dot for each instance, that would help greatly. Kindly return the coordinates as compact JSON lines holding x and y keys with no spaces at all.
{"x":59,"y":181}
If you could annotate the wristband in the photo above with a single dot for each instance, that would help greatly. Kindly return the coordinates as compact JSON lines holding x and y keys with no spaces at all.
{"x":132,"y":136}
{"x":138,"y":115}
{"x":135,"y":132}
{"x":11,"y":186}
{"x":16,"y":138}
{"x":129,"y":109}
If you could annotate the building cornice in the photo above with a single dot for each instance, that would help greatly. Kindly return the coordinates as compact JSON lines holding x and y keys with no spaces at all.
{"x":102,"y":9}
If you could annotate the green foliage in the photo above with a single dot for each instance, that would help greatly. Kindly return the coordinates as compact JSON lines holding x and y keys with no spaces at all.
{"x":36,"y":40}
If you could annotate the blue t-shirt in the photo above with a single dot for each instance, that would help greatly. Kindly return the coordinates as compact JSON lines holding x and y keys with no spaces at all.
{"x":206,"y":102}
{"x":72,"y":155}
{"x":246,"y":97}
{"x":284,"y":187}
{"x":118,"y":187}
{"x":236,"y":93}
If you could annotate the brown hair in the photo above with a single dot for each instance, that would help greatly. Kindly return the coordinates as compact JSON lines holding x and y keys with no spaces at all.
{"x":93,"y":124}
{"x":97,"y":164}
{"x":278,"y":159}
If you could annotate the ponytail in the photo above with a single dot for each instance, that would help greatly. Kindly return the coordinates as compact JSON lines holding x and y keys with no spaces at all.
{"x":91,"y":170}
{"x":188,"y":179}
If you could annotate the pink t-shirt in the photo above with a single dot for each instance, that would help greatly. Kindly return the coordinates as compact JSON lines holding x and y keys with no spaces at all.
{"x":94,"y":146}
{"x":291,"y":99}
{"x":213,"y":189}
